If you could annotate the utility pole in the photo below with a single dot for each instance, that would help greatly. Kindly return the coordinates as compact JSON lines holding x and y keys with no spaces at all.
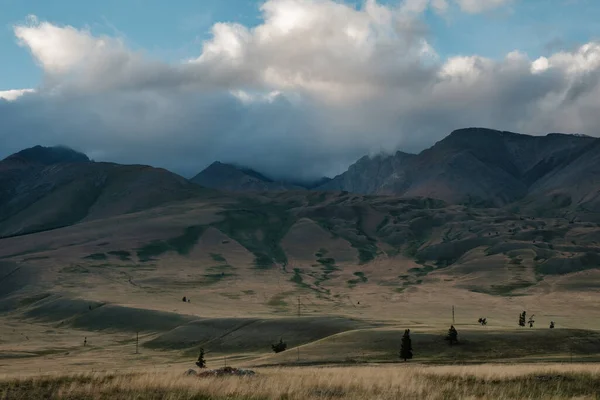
{"x":298,"y":306}
{"x":137,"y":341}
{"x":453,"y":315}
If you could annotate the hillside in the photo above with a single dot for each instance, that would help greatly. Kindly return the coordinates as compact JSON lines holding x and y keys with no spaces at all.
{"x":46,"y":188}
{"x":321,"y":246}
{"x":358,"y":269}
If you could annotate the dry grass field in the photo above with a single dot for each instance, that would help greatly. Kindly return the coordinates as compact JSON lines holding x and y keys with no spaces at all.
{"x":559,"y":381}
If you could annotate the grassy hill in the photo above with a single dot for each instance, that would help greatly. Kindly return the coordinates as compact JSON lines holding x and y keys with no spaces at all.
{"x":358,"y":269}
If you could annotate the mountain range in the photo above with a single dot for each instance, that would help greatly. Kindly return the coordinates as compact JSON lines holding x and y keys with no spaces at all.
{"x":44,"y":188}
{"x":473,"y":166}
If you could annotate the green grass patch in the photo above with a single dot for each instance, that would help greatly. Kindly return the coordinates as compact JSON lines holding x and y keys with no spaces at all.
{"x":221,"y":268}
{"x":322,"y":252}
{"x":263,"y":261}
{"x":259,"y":228}
{"x":122,"y":254}
{"x":326,"y":261}
{"x":412,"y":248}
{"x":298,"y":280}
{"x":278,"y":300}
{"x":361,"y":278}
{"x":182,"y":244}
{"x":74,"y":269}
{"x":504,"y":290}
{"x":218,"y":257}
{"x":424,"y":271}
{"x":211,"y":279}
{"x":96,"y":256}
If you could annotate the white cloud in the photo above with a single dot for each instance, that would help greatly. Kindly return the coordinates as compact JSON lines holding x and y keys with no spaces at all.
{"x":320,"y":81}
{"x":11,"y":95}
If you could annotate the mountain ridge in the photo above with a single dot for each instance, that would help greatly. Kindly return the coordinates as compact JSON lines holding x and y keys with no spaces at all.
{"x":44,"y":188}
{"x":486,"y":166}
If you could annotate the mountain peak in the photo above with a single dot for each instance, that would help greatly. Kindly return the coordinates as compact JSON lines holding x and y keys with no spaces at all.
{"x":235,"y":178}
{"x":47,"y":156}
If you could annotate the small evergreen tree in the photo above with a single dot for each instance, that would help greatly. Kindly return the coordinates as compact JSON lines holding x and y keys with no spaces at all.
{"x":279,"y":347}
{"x":482,"y":321}
{"x":184,"y":299}
{"x":406,"y":346}
{"x":551,"y":324}
{"x":522,"y":317}
{"x":452,"y":335}
{"x":531,"y":322}
{"x":201,"y":363}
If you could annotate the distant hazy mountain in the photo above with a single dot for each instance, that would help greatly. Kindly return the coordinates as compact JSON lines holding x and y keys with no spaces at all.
{"x":476,"y":166}
{"x":233,"y":178}
{"x":47,"y":187}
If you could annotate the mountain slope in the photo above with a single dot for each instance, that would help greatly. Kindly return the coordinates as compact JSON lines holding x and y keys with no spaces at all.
{"x":575,"y":182}
{"x":474,"y":166}
{"x":46,"y":188}
{"x":379,"y":174}
{"x":237,"y":179}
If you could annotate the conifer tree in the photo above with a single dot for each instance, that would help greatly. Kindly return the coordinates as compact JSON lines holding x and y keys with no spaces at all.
{"x":522,"y":317}
{"x":531,"y":322}
{"x":452,"y":335}
{"x":406,"y":346}
{"x":551,"y":324}
{"x":279,"y":347}
{"x":201,"y":363}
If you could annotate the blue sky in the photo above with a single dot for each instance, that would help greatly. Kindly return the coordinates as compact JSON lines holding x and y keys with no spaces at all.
{"x":174,"y":30}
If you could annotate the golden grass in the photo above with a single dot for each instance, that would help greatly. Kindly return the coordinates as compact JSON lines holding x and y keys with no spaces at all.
{"x":559,"y":381}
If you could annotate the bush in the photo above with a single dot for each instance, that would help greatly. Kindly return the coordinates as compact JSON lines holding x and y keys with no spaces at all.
{"x":279,"y":347}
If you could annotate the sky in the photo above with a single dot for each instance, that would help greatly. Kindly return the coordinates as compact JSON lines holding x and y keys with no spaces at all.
{"x":293,"y":88}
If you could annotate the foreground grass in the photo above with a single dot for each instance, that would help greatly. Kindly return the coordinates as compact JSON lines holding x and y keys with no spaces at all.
{"x":371,"y":382}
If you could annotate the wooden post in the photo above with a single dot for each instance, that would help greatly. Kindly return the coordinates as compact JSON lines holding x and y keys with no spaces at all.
{"x":298,"y":306}
{"x":453,"y":322}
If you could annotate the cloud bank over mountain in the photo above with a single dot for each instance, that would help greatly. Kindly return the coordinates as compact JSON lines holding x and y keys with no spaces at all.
{"x":314,"y":86}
